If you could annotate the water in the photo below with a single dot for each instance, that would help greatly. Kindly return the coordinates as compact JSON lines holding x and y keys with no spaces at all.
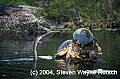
{"x":16,"y":60}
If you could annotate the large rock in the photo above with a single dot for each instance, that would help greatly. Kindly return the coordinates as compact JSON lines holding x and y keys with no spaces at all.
{"x":19,"y":23}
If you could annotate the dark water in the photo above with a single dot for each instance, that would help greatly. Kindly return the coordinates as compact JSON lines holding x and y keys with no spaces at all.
{"x":16,"y":60}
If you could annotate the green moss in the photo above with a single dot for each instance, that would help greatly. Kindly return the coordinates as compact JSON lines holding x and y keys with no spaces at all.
{"x":15,"y":2}
{"x":19,"y":2}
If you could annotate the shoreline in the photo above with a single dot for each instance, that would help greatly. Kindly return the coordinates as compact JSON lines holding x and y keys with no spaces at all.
{"x":106,"y":29}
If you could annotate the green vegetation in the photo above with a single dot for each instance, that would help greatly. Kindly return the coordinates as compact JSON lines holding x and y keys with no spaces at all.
{"x":94,"y":13}
{"x":19,"y":2}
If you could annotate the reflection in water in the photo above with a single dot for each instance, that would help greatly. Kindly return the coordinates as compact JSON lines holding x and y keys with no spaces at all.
{"x":18,"y":59}
{"x":34,"y":65}
{"x":14,"y":45}
{"x":74,"y":66}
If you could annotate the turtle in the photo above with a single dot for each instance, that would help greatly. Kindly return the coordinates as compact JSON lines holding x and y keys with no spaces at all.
{"x":83,"y":47}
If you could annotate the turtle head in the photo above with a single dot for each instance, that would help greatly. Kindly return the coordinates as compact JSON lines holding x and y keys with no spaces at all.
{"x":77,"y":42}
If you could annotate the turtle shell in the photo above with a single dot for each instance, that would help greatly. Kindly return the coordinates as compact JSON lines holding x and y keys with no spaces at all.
{"x":83,"y":35}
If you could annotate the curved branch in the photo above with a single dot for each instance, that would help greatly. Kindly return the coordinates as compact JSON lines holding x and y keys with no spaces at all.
{"x":35,"y":46}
